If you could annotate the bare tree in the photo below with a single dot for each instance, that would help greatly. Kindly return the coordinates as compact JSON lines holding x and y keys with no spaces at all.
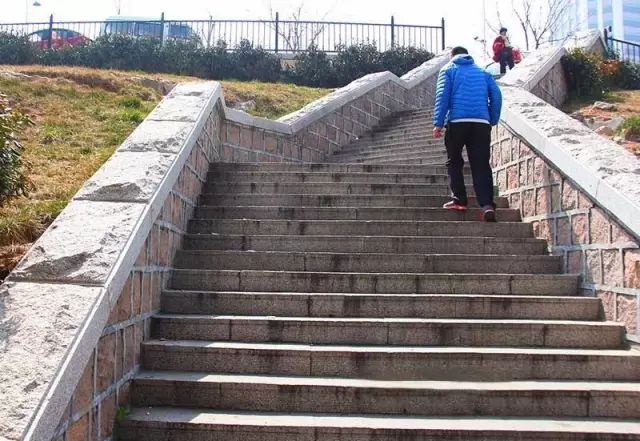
{"x":539,"y":20}
{"x":298,"y":33}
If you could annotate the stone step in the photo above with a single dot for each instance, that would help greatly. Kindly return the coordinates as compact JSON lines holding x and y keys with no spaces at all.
{"x":155,"y":424}
{"x":390,"y":331}
{"x":414,"y":123}
{"x":311,"y":200}
{"x":348,"y":213}
{"x":400,"y":151}
{"x":365,"y":283}
{"x":383,"y":153}
{"x":395,"y":136}
{"x":381,"y":305}
{"x":284,"y":394}
{"x":403,"y":130}
{"x":330,"y":262}
{"x":408,"y":141}
{"x":362,"y":228}
{"x":367,"y":244}
{"x":403,"y":160}
{"x":327,"y":168}
{"x":320,"y":177}
{"x":328,"y":188}
{"x":374,"y":150}
{"x":393,"y":363}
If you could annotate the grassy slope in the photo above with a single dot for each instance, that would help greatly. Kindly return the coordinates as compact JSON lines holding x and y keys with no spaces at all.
{"x":81,"y":117}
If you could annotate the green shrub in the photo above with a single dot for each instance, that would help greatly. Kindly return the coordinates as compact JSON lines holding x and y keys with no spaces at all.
{"x":13,"y":181}
{"x":356,"y":61}
{"x":590,"y":75}
{"x":401,"y":60}
{"x":631,"y":128}
{"x":15,"y":49}
{"x":313,"y":68}
{"x":254,"y":63}
{"x":628,"y":76}
{"x":583,"y":74}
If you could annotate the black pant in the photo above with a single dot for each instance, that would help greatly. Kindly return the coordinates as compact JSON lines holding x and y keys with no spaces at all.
{"x":477,"y":138}
{"x":506,"y":59}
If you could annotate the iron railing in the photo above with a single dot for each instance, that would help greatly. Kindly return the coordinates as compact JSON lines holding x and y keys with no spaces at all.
{"x":625,"y":50}
{"x":273,"y":35}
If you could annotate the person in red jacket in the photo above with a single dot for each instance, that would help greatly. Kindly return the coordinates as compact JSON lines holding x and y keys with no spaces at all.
{"x":503,"y":51}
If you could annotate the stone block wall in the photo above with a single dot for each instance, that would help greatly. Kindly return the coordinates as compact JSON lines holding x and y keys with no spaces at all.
{"x":552,"y":88}
{"x":592,"y":243}
{"x":324,"y":136}
{"x":105,"y":383}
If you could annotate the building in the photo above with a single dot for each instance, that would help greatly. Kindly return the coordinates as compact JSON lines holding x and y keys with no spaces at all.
{"x":622,"y":15}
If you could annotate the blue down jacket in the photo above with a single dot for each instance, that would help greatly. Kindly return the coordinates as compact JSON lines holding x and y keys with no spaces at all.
{"x":466,"y":92}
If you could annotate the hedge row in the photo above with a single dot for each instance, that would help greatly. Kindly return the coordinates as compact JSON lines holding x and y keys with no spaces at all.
{"x":188,"y":57}
{"x":591,"y":75}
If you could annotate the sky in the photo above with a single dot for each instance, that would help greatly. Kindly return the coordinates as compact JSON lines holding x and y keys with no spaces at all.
{"x":463,"y":17}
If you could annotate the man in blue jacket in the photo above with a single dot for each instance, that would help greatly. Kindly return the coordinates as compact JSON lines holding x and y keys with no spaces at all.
{"x":468,"y":103}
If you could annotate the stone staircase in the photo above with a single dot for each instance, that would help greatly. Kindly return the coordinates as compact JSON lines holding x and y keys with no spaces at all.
{"x":339,"y":302}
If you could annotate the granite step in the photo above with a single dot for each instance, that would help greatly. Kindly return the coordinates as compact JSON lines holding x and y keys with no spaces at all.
{"x":329,"y":262}
{"x":373,"y":150}
{"x":393,"y":363}
{"x":390,"y":331}
{"x":320,"y":177}
{"x":381,"y":305}
{"x":404,"y":160}
{"x":335,"y":200}
{"x":285,"y":394}
{"x":347,"y":213}
{"x":367,"y":244}
{"x":174,"y":424}
{"x":327,"y":168}
{"x":375,"y":153}
{"x":397,"y":228}
{"x":364,"y":283}
{"x":327,"y":188}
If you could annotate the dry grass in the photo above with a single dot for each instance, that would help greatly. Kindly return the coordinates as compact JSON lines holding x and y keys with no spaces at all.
{"x":628,"y":106}
{"x":82,"y":116}
{"x":271,"y":100}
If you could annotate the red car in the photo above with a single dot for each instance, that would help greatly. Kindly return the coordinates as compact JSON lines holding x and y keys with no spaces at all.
{"x":59,"y":38}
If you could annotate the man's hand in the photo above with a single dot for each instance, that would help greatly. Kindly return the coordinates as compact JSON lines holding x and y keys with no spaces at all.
{"x":437,"y":132}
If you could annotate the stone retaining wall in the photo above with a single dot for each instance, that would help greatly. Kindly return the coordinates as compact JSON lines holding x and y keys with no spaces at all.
{"x":75,"y":310}
{"x":580,"y":190}
{"x":592,"y":243}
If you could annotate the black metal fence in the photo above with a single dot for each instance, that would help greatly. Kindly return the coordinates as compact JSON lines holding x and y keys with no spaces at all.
{"x":626,"y":50}
{"x":280,"y":36}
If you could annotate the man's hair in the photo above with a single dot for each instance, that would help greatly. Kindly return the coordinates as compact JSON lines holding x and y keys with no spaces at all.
{"x":459,"y":50}
{"x":503,"y":30}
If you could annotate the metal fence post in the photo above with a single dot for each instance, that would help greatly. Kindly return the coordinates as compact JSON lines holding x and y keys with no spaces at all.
{"x":49,"y":40}
{"x":277,"y":30}
{"x":393,"y":31}
{"x":162,"y":29}
{"x":444,"y":45}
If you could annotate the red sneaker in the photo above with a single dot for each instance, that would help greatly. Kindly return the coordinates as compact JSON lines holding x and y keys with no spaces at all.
{"x":453,"y":205}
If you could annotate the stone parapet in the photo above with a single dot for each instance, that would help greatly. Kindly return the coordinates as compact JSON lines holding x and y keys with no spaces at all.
{"x":581,"y":191}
